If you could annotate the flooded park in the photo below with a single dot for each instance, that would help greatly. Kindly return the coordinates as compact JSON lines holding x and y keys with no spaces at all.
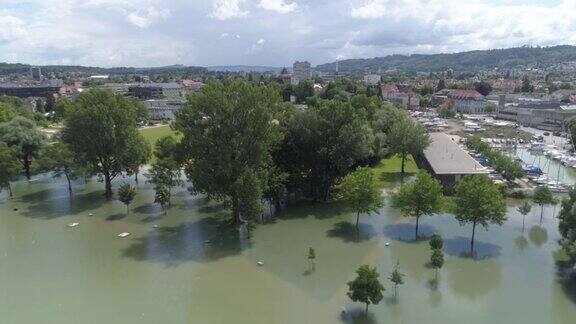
{"x":189,"y":266}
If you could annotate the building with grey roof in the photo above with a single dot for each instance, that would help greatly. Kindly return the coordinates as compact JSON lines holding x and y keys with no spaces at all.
{"x":447,"y":161}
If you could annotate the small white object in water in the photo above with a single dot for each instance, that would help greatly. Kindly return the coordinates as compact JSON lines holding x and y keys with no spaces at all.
{"x":155,"y":226}
{"x":73,"y":224}
{"x":260,"y":263}
{"x":207,"y":242}
{"x":387,"y":244}
{"x":90,"y":214}
{"x":123,"y":234}
{"x":344,"y":310}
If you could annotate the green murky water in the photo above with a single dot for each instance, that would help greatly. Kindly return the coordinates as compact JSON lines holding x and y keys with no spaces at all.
{"x":50,"y":273}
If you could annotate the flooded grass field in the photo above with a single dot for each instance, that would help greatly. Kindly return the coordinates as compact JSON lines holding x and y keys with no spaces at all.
{"x":190,"y":267}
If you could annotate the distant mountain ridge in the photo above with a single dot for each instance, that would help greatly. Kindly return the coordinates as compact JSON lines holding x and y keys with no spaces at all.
{"x":471,"y":61}
{"x":244,"y":68}
{"x":18,"y":68}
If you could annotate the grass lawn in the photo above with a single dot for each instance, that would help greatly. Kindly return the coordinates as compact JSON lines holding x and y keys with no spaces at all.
{"x":388,"y":170}
{"x":153,"y":134}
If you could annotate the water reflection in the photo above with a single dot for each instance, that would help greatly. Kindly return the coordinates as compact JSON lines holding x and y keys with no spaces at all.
{"x":358,"y":316}
{"x":521,"y":243}
{"x":205,"y":240}
{"x":350,"y":233}
{"x":406,"y":232}
{"x":460,"y":247}
{"x":538,"y":235}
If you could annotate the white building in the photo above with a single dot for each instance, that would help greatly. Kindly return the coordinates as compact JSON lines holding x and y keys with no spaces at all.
{"x":160,"y":109}
{"x":372,"y":79}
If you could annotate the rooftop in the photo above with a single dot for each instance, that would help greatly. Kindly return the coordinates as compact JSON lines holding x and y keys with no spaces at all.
{"x":446,"y":157}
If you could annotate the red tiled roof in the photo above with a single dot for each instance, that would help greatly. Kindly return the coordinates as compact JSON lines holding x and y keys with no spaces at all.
{"x":389,"y":88}
{"x":466,"y":94}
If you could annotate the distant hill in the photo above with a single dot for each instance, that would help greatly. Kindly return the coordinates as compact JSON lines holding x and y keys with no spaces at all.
{"x":244,"y":68}
{"x":459,"y":62}
{"x":9,"y":68}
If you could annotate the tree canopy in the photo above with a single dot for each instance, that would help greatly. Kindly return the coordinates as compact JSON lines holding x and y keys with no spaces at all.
{"x":407,"y":138}
{"x":360,"y":191}
{"x":419,"y":198}
{"x":100,"y":129}
{"x":22,"y":134}
{"x":229,"y":134}
{"x":366,"y":288}
{"x":479,"y":202}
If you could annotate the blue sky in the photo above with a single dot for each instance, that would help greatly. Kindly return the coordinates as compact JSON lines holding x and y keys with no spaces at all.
{"x":269,"y":32}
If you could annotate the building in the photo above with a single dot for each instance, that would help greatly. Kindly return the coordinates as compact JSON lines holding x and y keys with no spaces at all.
{"x":372,"y":79}
{"x":464,"y":101}
{"x":301,"y":71}
{"x":161,"y":109}
{"x":147,"y":91}
{"x":36,"y":73}
{"x":401,"y":95}
{"x":44,"y":91}
{"x":447,"y":161}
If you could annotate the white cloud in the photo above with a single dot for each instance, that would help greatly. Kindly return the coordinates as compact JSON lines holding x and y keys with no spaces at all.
{"x":279,"y":6}
{"x":227,"y":9}
{"x":143,"y":18}
{"x":370,"y":10}
{"x":261,"y":41}
{"x":11,"y":28}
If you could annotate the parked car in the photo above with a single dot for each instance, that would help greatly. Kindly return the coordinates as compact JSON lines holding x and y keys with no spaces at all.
{"x":546,"y":133}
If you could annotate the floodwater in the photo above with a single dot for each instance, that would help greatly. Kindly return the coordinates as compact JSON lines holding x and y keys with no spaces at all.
{"x":192,"y":269}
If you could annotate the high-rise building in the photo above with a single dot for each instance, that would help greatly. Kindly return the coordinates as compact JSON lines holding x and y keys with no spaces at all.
{"x":302,"y":71}
{"x":35,"y":73}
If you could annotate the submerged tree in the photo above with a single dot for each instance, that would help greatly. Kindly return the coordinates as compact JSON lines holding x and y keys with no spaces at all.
{"x":126,"y":194}
{"x":9,"y":166}
{"x":542,"y":196}
{"x":479,"y":202}
{"x":419,"y":198}
{"x":229,"y":135}
{"x":59,"y":159}
{"x":360,"y":190}
{"x":22,"y":134}
{"x":162,"y":197}
{"x":397,"y":278}
{"x":436,"y":261}
{"x":524,"y":209}
{"x":436,"y":242}
{"x":100,"y":128}
{"x":366,"y":288}
{"x":312,"y":258}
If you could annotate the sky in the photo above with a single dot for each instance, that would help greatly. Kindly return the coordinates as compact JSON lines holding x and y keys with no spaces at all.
{"x":269,"y":32}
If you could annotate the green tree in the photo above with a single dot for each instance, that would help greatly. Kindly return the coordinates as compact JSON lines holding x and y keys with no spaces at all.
{"x":7,"y":112}
{"x":162,"y":196}
{"x":526,"y":85}
{"x":322,"y":144}
{"x":419,"y":198}
{"x":303,"y":90}
{"x":567,"y":228}
{"x":479,"y":202}
{"x":60,"y":107}
{"x":407,"y":138}
{"x":126,"y":194}
{"x":360,"y":191}
{"x":483,"y":87}
{"x":312,"y":258}
{"x":59,"y":159}
{"x":366,"y":288}
{"x":22,"y":134}
{"x":397,"y":278}
{"x":542,"y":196}
{"x":138,"y":153}
{"x":436,"y":242}
{"x":228,"y":139}
{"x":100,"y":128}
{"x":436,"y":261}
{"x":9,"y":166}
{"x":524,"y":209}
